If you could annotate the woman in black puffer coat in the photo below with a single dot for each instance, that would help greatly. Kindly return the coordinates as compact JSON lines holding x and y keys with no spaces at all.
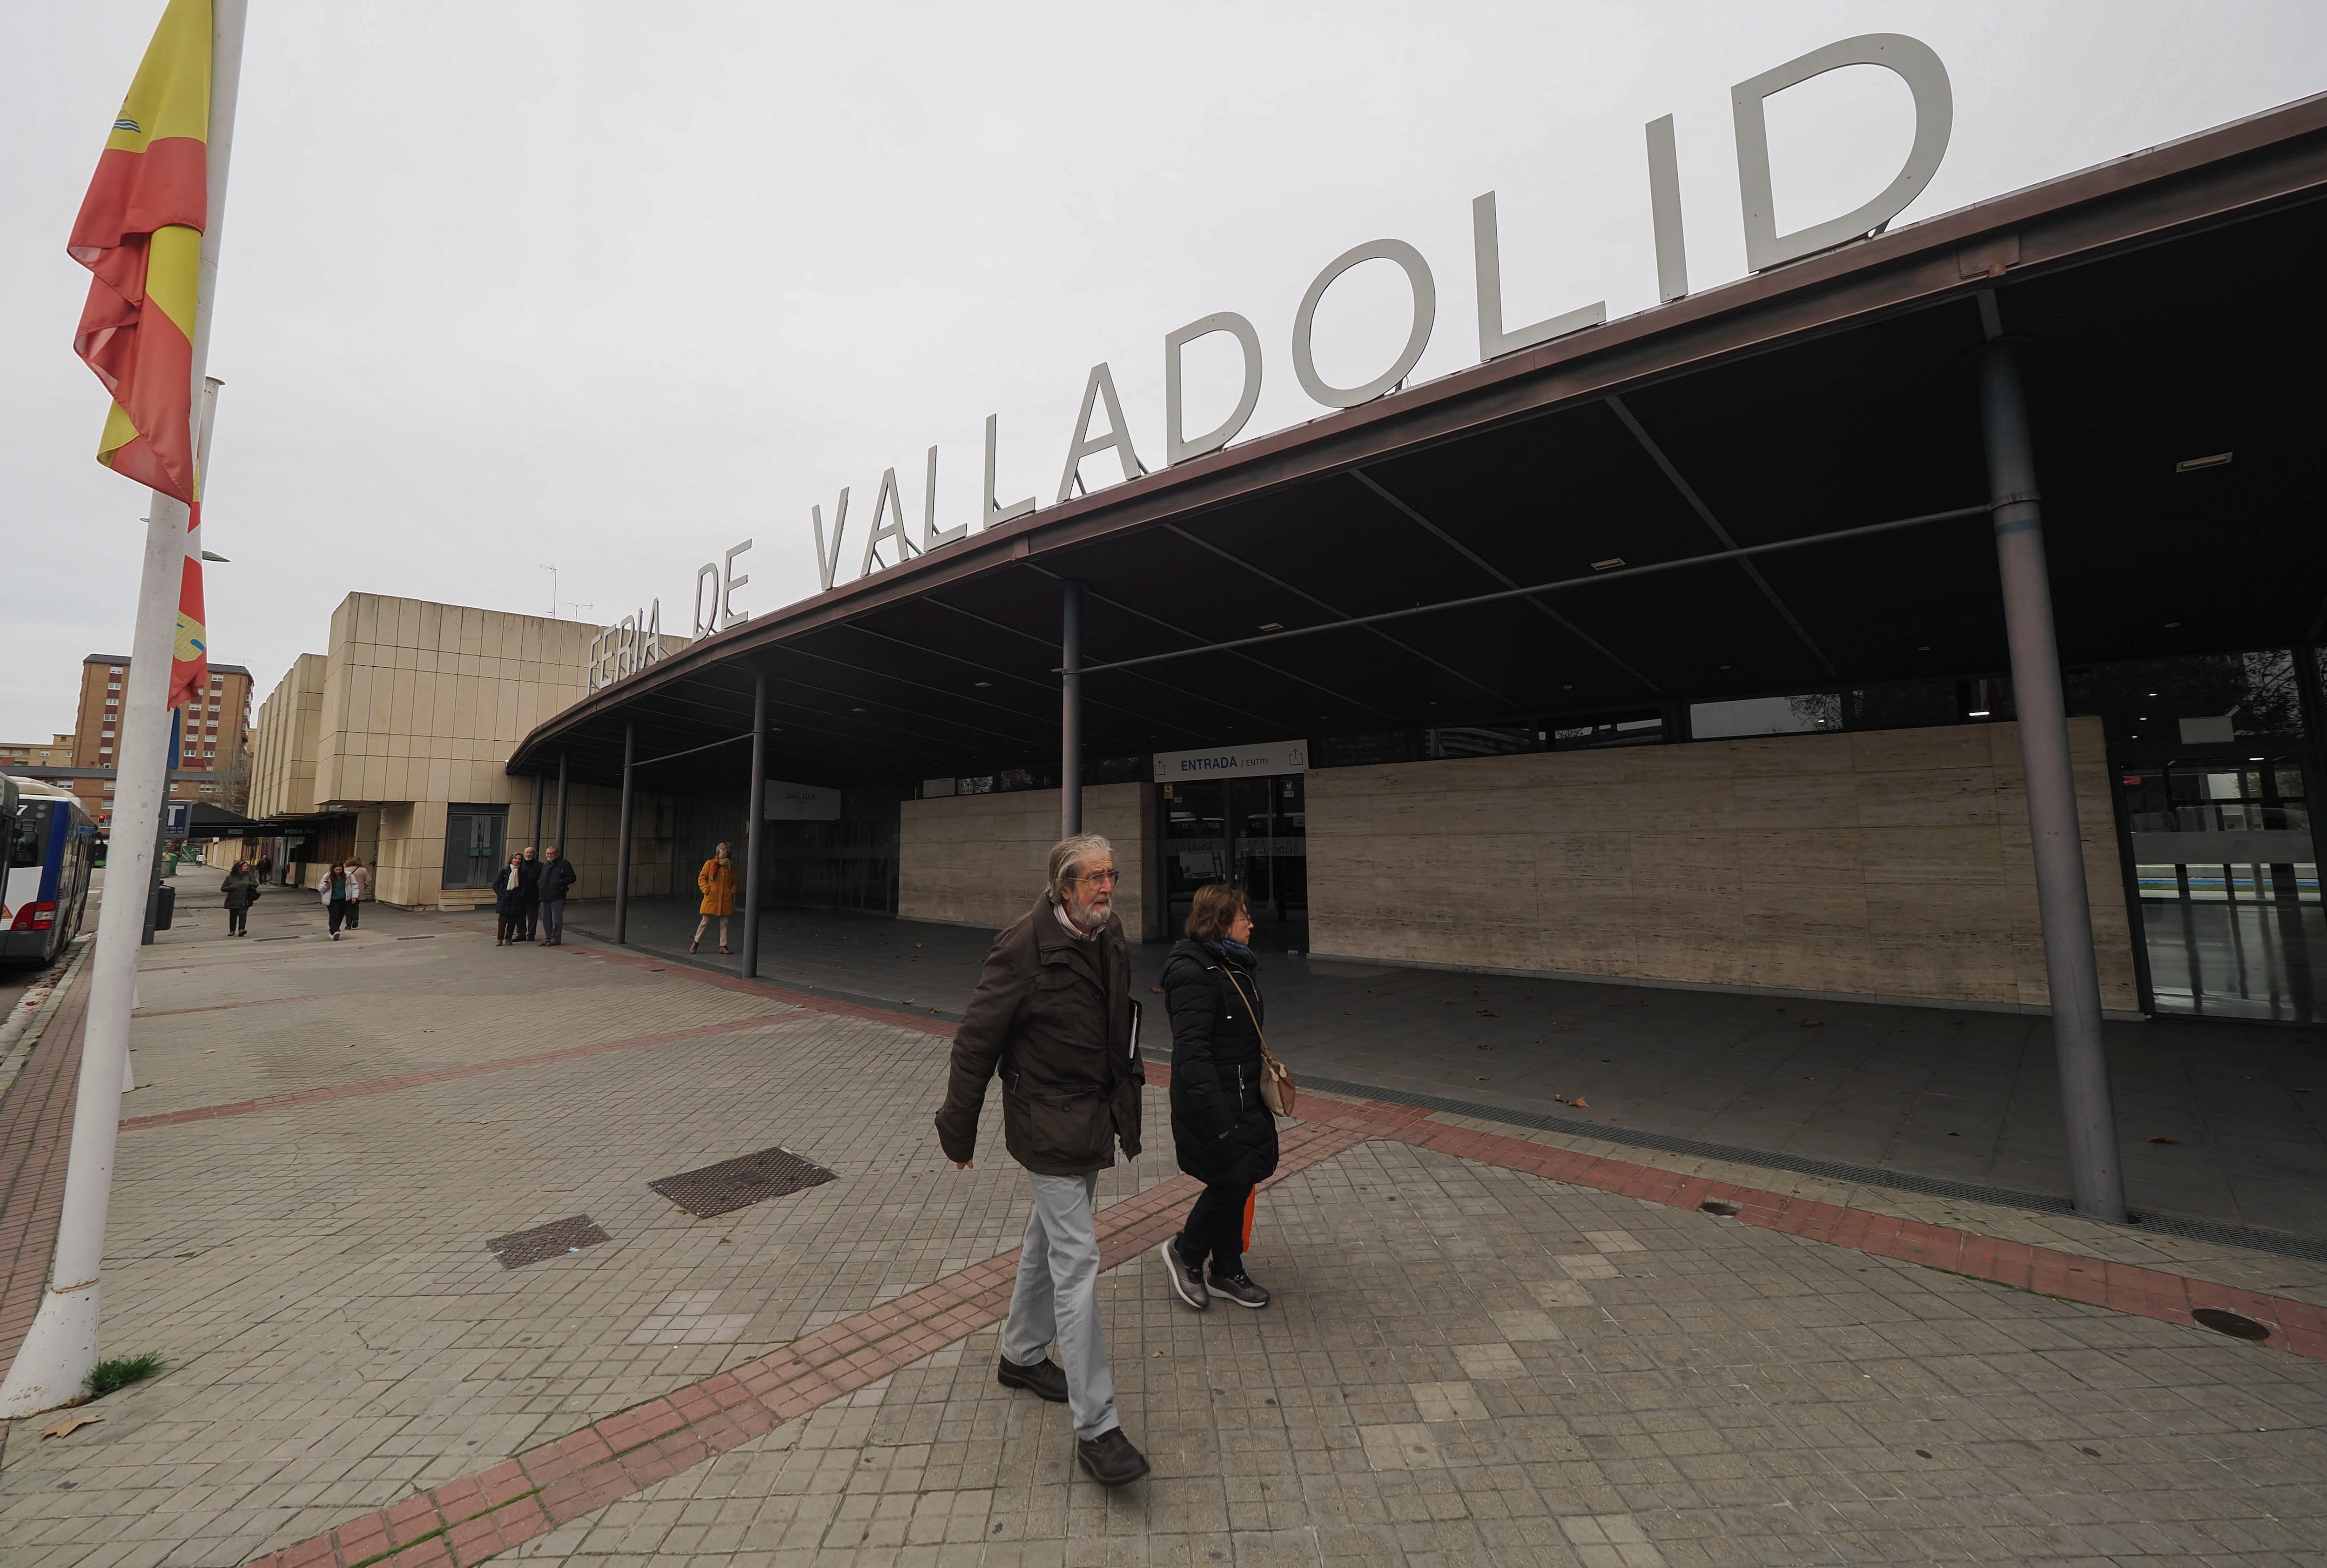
{"x":1220,"y":1126}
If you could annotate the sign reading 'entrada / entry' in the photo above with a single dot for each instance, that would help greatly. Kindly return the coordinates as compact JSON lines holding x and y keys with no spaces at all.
{"x":1232,"y":761}
{"x":1765,"y":248}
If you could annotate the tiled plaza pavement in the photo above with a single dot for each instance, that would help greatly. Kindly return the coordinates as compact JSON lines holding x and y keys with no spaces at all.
{"x":1952,"y":1094}
{"x":1466,"y":1362}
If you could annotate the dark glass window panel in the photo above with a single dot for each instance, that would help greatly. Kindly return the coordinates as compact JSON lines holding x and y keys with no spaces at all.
{"x":2171,"y":705}
{"x":1493,"y":742}
{"x":1583,"y":734}
{"x":1363,"y":750}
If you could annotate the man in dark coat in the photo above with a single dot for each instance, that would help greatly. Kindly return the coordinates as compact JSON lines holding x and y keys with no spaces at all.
{"x":530,"y":876}
{"x":1051,"y":1014}
{"x":557,"y":877}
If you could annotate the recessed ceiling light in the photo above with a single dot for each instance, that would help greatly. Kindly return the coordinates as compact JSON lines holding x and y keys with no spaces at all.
{"x":984,"y":684}
{"x":2216,"y":460}
{"x":856,"y":710}
{"x":1568,"y":688}
{"x":1925,"y":648}
{"x":1725,"y":667}
{"x":2172,"y":624}
{"x":1609,"y":564}
{"x":1272,"y":626}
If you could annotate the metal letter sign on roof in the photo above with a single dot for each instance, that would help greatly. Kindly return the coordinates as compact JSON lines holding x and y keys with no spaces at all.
{"x":1425,"y":312}
{"x":1925,"y":77}
{"x":1911,"y":60}
{"x":1085,"y":444}
{"x":1493,"y":341}
{"x":1177,"y":450}
{"x":887,"y":523}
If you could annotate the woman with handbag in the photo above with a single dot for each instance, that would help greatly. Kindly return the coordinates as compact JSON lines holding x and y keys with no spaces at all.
{"x":1223,"y":1126}
{"x":509,"y":901}
{"x":241,"y":891}
{"x":333,"y":890}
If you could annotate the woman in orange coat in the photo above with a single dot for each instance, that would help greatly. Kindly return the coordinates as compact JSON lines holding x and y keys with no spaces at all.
{"x":717,"y":881}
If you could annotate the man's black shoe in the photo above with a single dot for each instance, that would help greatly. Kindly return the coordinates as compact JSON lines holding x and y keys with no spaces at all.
{"x":1045,"y":1378}
{"x":1236,"y":1287}
{"x":1187,"y":1281}
{"x":1109,"y":1458}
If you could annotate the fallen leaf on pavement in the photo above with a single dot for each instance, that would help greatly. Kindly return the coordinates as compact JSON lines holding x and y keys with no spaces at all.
{"x":1813,"y":1023}
{"x":70,"y":1424}
{"x":2162,"y":1138}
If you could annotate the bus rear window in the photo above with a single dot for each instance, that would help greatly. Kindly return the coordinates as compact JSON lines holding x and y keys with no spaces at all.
{"x":28,"y":843}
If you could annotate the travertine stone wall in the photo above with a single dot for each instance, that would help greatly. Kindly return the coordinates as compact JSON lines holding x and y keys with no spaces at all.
{"x":283,"y":751}
{"x":1889,"y":863}
{"x":416,"y":707}
{"x":979,"y":860}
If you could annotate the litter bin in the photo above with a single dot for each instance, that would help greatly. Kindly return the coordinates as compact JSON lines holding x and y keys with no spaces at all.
{"x":165,"y":904}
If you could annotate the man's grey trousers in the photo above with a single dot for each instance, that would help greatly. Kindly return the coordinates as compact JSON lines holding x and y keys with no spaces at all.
{"x":1057,"y":1296}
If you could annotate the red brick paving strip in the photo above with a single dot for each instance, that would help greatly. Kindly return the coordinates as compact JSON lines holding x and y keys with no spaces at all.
{"x":35,"y":1131}
{"x":2170,"y":1298}
{"x":466,"y":1521}
{"x":469,"y":1520}
{"x":436,"y":1075}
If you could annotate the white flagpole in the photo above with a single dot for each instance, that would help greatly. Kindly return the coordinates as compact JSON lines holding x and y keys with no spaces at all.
{"x":62,"y":1346}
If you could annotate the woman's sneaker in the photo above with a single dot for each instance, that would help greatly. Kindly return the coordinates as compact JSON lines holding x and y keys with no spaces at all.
{"x":1236,"y":1287}
{"x":1187,"y":1283}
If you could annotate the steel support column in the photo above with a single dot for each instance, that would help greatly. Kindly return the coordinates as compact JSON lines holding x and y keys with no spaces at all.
{"x":540,"y":806}
{"x":753,"y":829}
{"x":1070,"y":711}
{"x":563,"y":852}
{"x":622,"y":840}
{"x":2070,"y":969}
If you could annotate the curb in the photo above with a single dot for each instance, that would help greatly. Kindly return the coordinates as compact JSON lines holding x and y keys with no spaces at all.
{"x":24,"y":1026}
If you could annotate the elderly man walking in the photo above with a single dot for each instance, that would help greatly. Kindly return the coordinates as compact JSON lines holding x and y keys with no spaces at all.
{"x":1053,"y":1016}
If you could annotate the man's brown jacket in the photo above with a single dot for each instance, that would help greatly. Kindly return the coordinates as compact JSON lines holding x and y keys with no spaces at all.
{"x":1053,"y":1016}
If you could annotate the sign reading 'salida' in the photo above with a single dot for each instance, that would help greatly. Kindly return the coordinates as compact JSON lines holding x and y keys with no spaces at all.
{"x":1765,"y":248}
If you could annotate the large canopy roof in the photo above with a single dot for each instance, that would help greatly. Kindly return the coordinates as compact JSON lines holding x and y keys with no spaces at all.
{"x":2171,"y":309}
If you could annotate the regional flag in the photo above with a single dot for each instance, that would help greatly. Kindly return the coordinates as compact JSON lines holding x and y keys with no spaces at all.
{"x":140,"y":232}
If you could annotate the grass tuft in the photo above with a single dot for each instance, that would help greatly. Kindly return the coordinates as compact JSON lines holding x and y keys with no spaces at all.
{"x":120,"y":1372}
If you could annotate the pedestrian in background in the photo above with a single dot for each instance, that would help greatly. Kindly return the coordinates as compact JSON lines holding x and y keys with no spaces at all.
{"x":241,"y":891}
{"x":508,"y":901}
{"x":1222,"y":1128}
{"x":1051,"y":1014}
{"x":532,"y":906}
{"x":334,"y":891}
{"x":558,"y":874}
{"x":717,"y":881}
{"x":359,"y":891}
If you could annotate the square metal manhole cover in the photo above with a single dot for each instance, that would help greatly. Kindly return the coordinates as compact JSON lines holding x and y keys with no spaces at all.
{"x":739,"y":1182}
{"x":559,"y":1236}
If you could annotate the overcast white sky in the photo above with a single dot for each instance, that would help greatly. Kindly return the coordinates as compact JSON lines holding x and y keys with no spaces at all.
{"x":614,"y":287}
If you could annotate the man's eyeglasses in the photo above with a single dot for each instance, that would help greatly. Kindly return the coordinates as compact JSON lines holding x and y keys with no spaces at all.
{"x":1108,"y":875}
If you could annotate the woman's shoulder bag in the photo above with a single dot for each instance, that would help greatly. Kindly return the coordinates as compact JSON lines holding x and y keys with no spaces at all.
{"x":1278,"y":1089}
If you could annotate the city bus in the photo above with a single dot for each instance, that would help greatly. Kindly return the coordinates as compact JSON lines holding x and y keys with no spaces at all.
{"x":51,"y":844}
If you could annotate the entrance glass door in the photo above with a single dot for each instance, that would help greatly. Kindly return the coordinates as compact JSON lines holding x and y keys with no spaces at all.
{"x":473,"y":837}
{"x":1249,"y":832}
{"x":2228,"y":884}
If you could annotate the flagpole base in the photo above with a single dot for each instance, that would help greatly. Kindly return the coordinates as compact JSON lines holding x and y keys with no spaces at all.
{"x":59,"y":1353}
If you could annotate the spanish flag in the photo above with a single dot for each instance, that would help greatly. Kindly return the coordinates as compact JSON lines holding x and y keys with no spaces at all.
{"x":140,"y":232}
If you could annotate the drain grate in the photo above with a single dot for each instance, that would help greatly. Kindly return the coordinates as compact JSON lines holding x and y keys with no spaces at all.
{"x":559,"y":1237}
{"x":739,"y":1182}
